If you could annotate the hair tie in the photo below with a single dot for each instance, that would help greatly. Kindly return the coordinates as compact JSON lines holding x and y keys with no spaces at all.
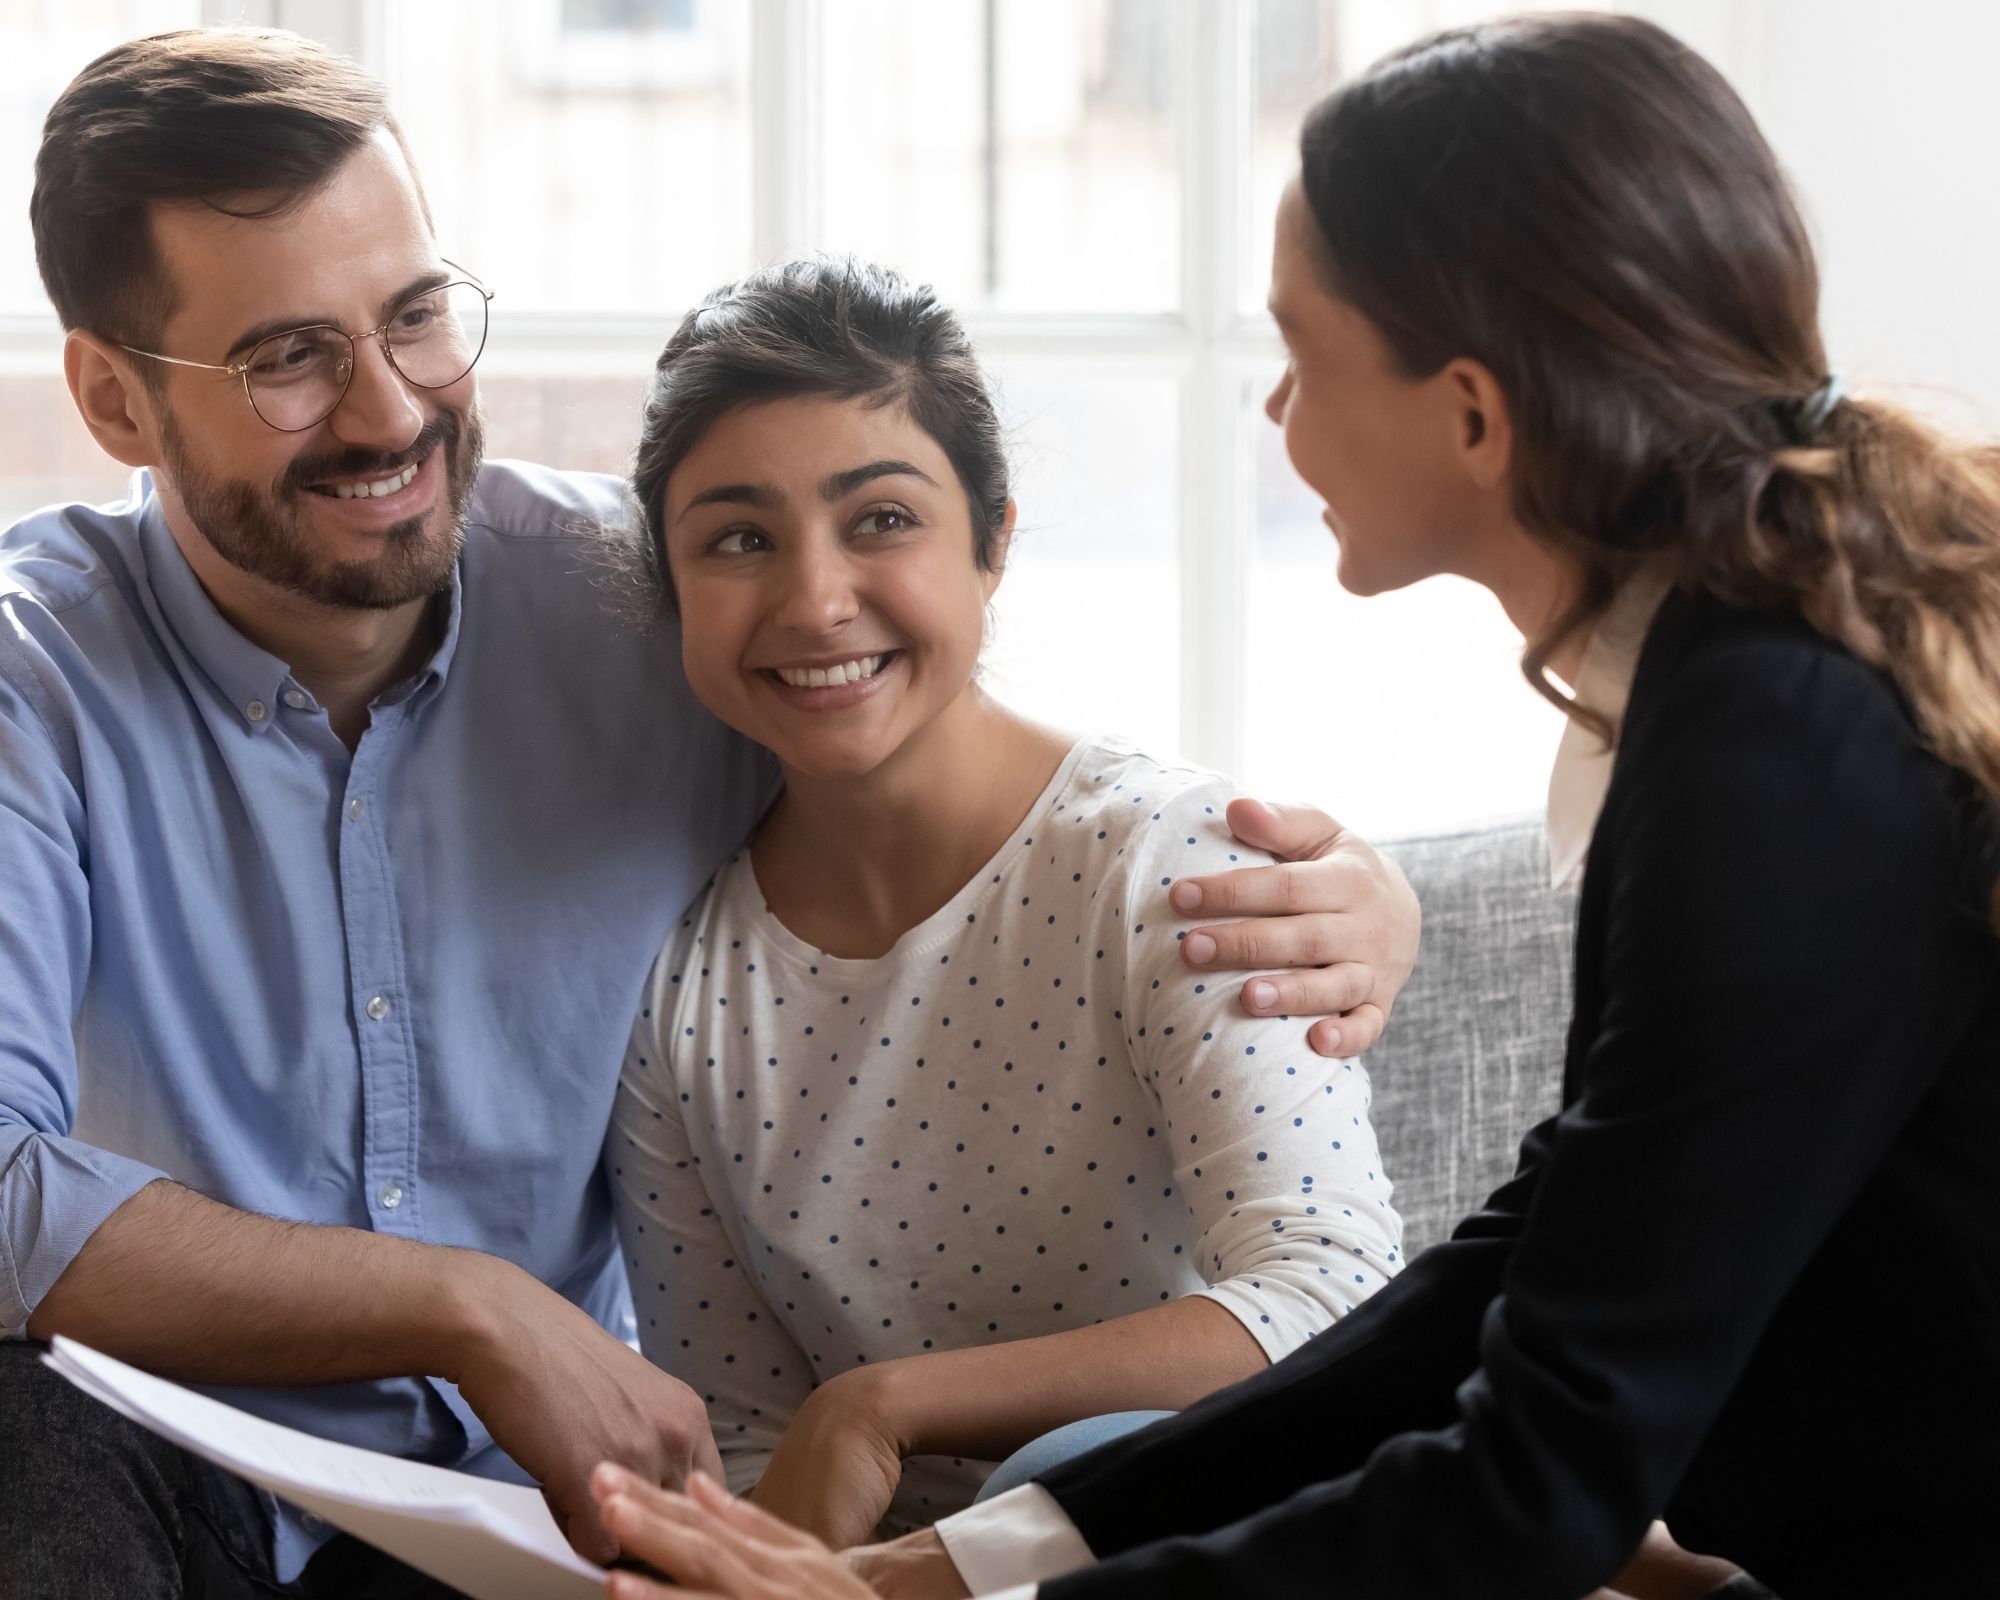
{"x":1818,"y":406}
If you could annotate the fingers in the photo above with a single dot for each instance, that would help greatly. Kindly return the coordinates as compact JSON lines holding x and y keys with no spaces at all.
{"x":667,"y":1531}
{"x":746,"y":1517}
{"x":1352,"y":1035}
{"x":1315,"y":939}
{"x":711,"y":1544}
{"x":1311,"y":991}
{"x":577,"y":1516}
{"x":1275,"y":891}
{"x":1295,"y":832}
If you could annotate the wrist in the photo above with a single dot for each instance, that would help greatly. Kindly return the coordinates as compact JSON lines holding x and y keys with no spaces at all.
{"x":875,"y":1399}
{"x":472,"y":1315}
{"x":917,"y":1565}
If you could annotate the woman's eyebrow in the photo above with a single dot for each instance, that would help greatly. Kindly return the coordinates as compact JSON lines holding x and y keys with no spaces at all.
{"x":843,"y":484}
{"x":761,"y":495}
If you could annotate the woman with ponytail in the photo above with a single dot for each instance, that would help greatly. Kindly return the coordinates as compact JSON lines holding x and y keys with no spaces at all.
{"x":1552,"y":320}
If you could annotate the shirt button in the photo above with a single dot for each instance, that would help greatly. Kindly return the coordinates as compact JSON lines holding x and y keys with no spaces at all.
{"x":391,"y":1197}
{"x":378,"y":1008}
{"x":256,"y":711}
{"x":311,"y":1523}
{"x":356,"y":808}
{"x":296,"y":699}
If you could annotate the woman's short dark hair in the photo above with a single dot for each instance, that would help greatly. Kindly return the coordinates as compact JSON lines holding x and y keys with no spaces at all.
{"x":832,"y":326}
{"x":249,"y":121}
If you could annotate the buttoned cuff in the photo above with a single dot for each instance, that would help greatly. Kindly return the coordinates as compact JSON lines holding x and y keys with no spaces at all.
{"x":1005,"y":1546}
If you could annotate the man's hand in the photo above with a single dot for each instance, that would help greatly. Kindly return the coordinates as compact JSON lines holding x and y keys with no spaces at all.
{"x":560,"y":1395}
{"x":1341,"y":917}
{"x":837,"y":1467}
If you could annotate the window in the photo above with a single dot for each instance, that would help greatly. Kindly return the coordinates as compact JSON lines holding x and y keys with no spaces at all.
{"x":45,"y":453}
{"x":1092,"y":183}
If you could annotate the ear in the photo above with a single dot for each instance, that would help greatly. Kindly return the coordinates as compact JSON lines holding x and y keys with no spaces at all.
{"x":111,"y":399}
{"x":1482,"y":424}
{"x":997,"y":552}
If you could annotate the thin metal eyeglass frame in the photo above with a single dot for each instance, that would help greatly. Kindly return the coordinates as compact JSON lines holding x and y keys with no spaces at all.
{"x":241,"y":369}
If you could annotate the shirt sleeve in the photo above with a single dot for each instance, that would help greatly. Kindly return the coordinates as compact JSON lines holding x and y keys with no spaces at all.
{"x":701,"y":1314}
{"x":54,"y":1190}
{"x":1015,"y":1539}
{"x":1654,"y":1255}
{"x":1273,"y":1150}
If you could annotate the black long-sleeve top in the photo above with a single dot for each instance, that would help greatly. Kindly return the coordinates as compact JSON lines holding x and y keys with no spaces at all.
{"x":1747,"y":1279}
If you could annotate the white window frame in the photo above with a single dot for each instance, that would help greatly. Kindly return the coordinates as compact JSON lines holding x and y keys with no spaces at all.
{"x":1208,"y":347}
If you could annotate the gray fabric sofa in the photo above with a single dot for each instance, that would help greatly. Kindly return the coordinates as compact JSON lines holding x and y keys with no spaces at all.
{"x":1473,"y":1056}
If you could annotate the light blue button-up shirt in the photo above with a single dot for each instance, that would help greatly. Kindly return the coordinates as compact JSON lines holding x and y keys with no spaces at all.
{"x":388,"y":990}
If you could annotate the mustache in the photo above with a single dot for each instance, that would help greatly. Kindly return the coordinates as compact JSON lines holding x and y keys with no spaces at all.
{"x":303,"y":473}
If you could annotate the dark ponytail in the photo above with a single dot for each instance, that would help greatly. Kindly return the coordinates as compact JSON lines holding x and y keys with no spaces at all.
{"x":1584,"y":205}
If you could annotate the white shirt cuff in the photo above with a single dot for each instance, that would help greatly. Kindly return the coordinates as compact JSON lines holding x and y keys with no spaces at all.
{"x":1003,"y":1547}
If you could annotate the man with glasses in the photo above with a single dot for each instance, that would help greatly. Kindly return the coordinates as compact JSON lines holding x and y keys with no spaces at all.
{"x":339,"y":827}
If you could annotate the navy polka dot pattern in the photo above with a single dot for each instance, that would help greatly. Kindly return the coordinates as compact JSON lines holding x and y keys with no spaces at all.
{"x":1027,"y":1117}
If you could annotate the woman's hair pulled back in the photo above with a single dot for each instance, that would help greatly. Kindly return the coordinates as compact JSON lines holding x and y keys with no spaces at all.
{"x":831,"y":326}
{"x":1583,"y":204}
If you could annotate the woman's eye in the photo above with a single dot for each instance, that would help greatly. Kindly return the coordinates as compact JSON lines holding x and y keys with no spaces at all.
{"x":885,"y":519}
{"x":740,"y":542}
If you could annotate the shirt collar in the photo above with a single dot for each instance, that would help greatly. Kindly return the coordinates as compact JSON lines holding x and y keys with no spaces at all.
{"x":1582,"y":770}
{"x":250,"y":678}
{"x":254,"y":681}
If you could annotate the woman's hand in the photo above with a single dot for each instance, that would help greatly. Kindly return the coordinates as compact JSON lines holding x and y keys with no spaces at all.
{"x":837,"y":1467}
{"x":711,"y":1545}
{"x":1340,"y":916}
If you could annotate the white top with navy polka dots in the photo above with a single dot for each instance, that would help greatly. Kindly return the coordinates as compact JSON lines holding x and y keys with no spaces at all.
{"x":1027,"y":1117}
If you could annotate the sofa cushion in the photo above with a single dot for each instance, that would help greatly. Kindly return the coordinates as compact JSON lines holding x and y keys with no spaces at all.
{"x":1473,"y":1055}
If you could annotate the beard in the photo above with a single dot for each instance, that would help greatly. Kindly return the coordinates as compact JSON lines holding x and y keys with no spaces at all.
{"x":260,"y":530}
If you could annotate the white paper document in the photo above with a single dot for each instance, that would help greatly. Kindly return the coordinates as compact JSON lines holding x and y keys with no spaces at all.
{"x":494,"y":1541}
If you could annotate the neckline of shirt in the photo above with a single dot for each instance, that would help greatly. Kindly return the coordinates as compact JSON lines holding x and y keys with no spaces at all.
{"x":739,"y":881}
{"x":250,"y":678}
{"x":1581,"y":775}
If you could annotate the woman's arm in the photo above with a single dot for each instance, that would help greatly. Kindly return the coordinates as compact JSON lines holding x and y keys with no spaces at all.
{"x":702,"y":1316}
{"x":841,"y":1460}
{"x":1783,"y":854}
{"x":1276,"y":1161}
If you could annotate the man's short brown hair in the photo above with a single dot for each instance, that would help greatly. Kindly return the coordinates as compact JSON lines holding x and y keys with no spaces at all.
{"x":247,"y":121}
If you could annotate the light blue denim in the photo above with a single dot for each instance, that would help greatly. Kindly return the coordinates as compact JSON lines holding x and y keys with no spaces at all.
{"x":1066,"y":1443}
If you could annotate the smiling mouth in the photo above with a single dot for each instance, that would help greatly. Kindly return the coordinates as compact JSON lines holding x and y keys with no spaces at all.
{"x":833,"y":677}
{"x":374,"y":488}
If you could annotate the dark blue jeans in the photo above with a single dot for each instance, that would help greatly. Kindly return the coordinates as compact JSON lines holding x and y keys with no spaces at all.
{"x":93,"y":1507}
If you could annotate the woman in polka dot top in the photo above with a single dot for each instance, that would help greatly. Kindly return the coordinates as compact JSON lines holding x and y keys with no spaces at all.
{"x":925,"y":1146}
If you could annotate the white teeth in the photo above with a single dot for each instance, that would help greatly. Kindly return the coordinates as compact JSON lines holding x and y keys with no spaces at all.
{"x":829,"y":677}
{"x":374,"y":488}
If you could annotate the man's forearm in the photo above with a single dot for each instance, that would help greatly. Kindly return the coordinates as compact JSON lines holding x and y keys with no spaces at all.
{"x":200,"y":1292}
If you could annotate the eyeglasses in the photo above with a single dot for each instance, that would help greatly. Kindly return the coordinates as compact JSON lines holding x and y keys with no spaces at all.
{"x":295,"y":379}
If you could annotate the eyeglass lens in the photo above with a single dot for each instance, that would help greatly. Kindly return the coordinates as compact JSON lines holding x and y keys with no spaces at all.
{"x":297,"y":378}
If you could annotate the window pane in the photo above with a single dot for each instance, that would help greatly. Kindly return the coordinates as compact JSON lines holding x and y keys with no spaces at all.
{"x":581,"y":155}
{"x":1087,"y":621}
{"x":46,"y":455}
{"x":1295,"y":57}
{"x":581,"y":424}
{"x":45,"y":44}
{"x":1401,"y":713}
{"x":1014,"y":153}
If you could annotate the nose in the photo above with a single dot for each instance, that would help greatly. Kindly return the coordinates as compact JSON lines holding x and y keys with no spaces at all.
{"x":379,"y":411}
{"x":1279,"y":397}
{"x":820,"y":593}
